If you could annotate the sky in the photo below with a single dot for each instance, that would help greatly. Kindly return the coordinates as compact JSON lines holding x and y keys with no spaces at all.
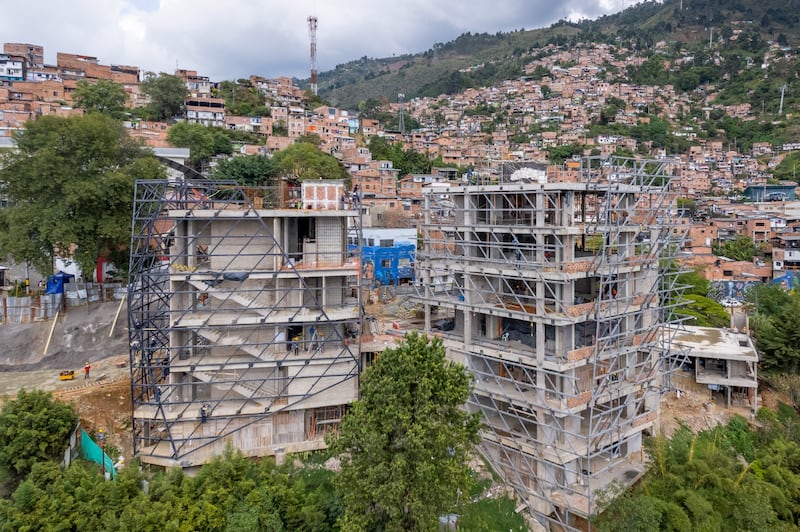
{"x":230,"y":39}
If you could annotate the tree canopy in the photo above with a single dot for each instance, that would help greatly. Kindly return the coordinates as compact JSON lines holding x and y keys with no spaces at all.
{"x":407,"y":161}
{"x":695,"y":303}
{"x":167,"y":94}
{"x":776,"y":327}
{"x":70,"y":191}
{"x":727,"y":478}
{"x":242,"y":99}
{"x":787,"y":169}
{"x":230,"y":493}
{"x":103,"y":96}
{"x":33,"y":428}
{"x":306,"y":161}
{"x":405,"y":442}
{"x":741,"y":248}
{"x":203,"y":142}
{"x":249,"y":170}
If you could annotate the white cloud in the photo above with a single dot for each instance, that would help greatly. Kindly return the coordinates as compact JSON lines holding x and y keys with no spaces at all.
{"x":236,"y":38}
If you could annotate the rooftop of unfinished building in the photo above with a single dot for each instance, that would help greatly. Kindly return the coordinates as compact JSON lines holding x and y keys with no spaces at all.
{"x":712,"y":342}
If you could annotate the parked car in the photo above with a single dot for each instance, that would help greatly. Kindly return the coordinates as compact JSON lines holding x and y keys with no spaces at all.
{"x":730,"y":302}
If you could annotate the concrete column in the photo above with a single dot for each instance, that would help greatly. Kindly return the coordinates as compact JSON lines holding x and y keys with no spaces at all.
{"x":426,"y":287}
{"x":540,"y":344}
{"x":276,"y":233}
{"x":468,"y":323}
{"x":635,"y":443}
{"x":572,"y":426}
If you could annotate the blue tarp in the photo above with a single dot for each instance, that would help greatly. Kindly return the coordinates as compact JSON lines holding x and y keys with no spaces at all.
{"x":55,"y":283}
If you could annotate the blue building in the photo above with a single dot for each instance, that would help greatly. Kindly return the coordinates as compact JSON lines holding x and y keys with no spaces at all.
{"x":388,"y":255}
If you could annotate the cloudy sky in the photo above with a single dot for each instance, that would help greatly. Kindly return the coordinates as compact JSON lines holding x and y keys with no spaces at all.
{"x":228,"y":39}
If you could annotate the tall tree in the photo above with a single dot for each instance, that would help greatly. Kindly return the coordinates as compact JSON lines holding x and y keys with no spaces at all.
{"x":777,"y":334}
{"x":33,"y":428}
{"x":203,"y":142}
{"x":250,"y":170}
{"x":242,"y":99}
{"x":306,"y":161}
{"x":741,"y":248}
{"x":103,"y":96}
{"x":727,"y":478}
{"x":167,"y":94}
{"x":70,"y":191}
{"x":405,"y":443}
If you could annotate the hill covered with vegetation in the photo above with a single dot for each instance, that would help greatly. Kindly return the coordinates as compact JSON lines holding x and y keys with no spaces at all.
{"x":663,"y":29}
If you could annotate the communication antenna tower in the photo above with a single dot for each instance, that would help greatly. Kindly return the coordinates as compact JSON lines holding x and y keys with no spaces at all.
{"x":312,"y":34}
{"x":401,"y":122}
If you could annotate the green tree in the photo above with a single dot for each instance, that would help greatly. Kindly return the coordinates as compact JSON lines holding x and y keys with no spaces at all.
{"x":405,"y":443}
{"x":704,"y":311}
{"x":778,"y":338}
{"x":787,"y":169}
{"x":242,"y":99}
{"x":730,"y":477}
{"x":167,"y":94}
{"x":203,"y":142}
{"x":369,"y":108}
{"x":312,"y":101}
{"x":306,"y":161}
{"x":695,"y":303}
{"x":407,"y":161}
{"x":103,"y":96}
{"x":70,"y":191}
{"x":741,"y":248}
{"x":559,"y":154}
{"x":688,"y":205}
{"x":33,"y":428}
{"x":311,"y":138}
{"x":250,"y":170}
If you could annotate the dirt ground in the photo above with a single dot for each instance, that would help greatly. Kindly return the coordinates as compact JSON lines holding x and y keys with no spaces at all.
{"x":696,"y":411}
{"x":81,"y":334}
{"x":103,"y":401}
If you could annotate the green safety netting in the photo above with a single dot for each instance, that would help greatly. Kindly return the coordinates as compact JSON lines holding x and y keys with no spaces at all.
{"x":92,"y":452}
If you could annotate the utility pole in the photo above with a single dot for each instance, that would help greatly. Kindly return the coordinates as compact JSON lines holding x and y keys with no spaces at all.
{"x":783,"y":90}
{"x":401,"y":122}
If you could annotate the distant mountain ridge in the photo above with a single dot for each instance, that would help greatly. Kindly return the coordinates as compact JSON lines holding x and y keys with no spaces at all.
{"x":482,"y":59}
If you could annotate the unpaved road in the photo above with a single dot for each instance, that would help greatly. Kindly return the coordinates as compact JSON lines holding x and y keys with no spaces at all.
{"x":103,"y":371}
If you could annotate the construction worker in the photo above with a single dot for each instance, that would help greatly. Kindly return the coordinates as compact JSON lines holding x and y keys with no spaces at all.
{"x":86,"y":369}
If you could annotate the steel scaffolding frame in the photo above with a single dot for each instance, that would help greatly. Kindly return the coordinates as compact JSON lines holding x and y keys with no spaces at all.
{"x":559,"y":292}
{"x":243,"y":321}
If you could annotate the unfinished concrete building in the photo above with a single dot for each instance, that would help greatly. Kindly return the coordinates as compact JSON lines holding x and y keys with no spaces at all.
{"x":721,"y":363}
{"x":553,"y":293}
{"x":242,"y":316}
